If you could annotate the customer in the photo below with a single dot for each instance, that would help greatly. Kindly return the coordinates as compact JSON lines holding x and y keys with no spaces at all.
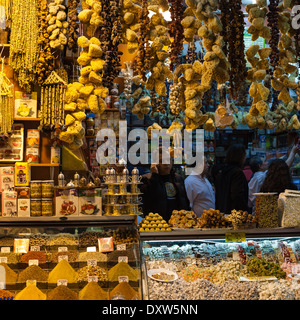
{"x":230,"y":182}
{"x":163,"y":190}
{"x":278,"y":178}
{"x":259,"y":168}
{"x":199,"y":191}
{"x":247,"y":170}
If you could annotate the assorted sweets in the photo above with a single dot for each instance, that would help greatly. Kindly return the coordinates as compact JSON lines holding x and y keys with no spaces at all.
{"x":154,"y":222}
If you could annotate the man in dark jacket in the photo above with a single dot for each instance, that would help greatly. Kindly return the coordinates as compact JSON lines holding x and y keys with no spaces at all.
{"x":230,"y":182}
{"x":163,"y":191}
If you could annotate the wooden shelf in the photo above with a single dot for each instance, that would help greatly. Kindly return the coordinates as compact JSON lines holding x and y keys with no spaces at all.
{"x":7,"y":164}
{"x":27,"y":119}
{"x":5,"y":45}
{"x":112,"y":110}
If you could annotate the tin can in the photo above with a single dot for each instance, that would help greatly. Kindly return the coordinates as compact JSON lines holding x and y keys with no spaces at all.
{"x":36,"y":189}
{"x":48,"y":189}
{"x":47,"y":207}
{"x":35,"y":207}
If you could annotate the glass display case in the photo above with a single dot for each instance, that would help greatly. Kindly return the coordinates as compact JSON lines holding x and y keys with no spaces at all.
{"x":254,"y":264}
{"x":70,"y":258}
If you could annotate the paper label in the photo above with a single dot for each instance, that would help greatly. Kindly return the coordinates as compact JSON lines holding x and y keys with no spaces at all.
{"x":121,"y":247}
{"x":123,"y":259}
{"x":91,"y":262}
{"x":91,"y":249}
{"x":123,"y":279}
{"x":92,"y":278}
{"x":62,"y":282}
{"x":35,"y":248}
{"x":62,"y":257}
{"x":62,"y":249}
{"x":5,"y":249}
{"x":3,"y":259}
{"x":235,"y":237}
{"x":33,"y":262}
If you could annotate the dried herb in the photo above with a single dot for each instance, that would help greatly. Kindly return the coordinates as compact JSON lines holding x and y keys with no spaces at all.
{"x":62,"y":293}
{"x":33,"y":272}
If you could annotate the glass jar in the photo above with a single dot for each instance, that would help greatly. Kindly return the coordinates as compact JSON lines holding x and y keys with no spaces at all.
{"x":36,"y":189}
{"x":47,"y":207}
{"x":48,"y":189}
{"x":35,"y":207}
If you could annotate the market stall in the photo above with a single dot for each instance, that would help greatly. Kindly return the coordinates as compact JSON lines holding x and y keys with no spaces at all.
{"x":86,"y":86}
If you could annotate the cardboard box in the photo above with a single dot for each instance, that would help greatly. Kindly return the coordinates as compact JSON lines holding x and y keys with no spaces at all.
{"x":66,"y":202}
{"x":90,"y":202}
{"x":22,"y":174}
{"x":9,"y":204}
{"x":23,"y":207}
{"x":7,"y":179}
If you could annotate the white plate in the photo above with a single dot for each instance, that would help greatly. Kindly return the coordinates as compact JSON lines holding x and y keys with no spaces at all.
{"x":151,"y":272}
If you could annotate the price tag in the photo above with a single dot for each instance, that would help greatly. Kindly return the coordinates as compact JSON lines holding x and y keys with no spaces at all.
{"x":123,"y":259}
{"x":91,"y":249}
{"x":92,"y":278}
{"x":295,"y":268}
{"x":30,"y":282}
{"x":5,"y":249}
{"x":62,"y":257}
{"x":121,"y":247}
{"x":235,"y":237}
{"x":35,"y":248}
{"x":62,"y":249}
{"x":3,"y":259}
{"x":62,"y":282}
{"x":235,"y":256}
{"x":123,"y":279}
{"x":91,"y":262}
{"x":33,"y":262}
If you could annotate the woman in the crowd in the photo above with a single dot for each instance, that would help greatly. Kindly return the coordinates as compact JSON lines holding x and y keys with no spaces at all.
{"x":230,"y":182}
{"x":278,"y":177}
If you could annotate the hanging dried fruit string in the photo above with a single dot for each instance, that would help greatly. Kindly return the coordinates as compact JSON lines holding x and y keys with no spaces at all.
{"x":46,"y":59}
{"x":236,"y":47}
{"x":191,"y":52}
{"x":143,"y":57}
{"x":225,"y":20}
{"x":24,"y":42}
{"x":176,"y":32}
{"x":73,"y":24}
{"x":297,"y":46}
{"x":272,"y":21}
{"x":111,"y":37}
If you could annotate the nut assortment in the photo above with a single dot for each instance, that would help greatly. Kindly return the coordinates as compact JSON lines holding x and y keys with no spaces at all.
{"x":240,"y":217}
{"x":183,"y":219}
{"x":213,"y":219}
{"x":266,"y":211}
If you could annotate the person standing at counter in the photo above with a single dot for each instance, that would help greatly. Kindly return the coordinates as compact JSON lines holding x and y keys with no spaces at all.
{"x":278,"y":178}
{"x":200,"y":191}
{"x":163,"y":190}
{"x":230,"y":181}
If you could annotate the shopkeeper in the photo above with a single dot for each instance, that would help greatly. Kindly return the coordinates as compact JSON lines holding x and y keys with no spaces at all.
{"x":163,"y":189}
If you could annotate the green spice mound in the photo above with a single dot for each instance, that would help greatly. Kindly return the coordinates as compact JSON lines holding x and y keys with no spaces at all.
{"x":262,"y":267}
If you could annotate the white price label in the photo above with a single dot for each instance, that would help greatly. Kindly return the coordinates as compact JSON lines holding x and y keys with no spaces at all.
{"x":5,"y":249}
{"x":62,"y":249}
{"x":62,"y":282}
{"x":92,"y":278}
{"x":123,"y":279}
{"x":30,"y":282}
{"x":62,"y":257}
{"x":121,"y":247}
{"x":35,"y":248}
{"x":123,"y":259}
{"x":91,"y":249}
{"x":3,"y":259}
{"x":33,"y":262}
{"x":91,"y":262}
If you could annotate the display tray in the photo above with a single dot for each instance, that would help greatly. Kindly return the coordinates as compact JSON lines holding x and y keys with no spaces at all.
{"x":152,"y":272}
{"x":195,"y":234}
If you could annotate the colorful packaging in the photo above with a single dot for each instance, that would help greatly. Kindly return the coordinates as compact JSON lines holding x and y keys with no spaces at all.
{"x":106,"y":244}
{"x":32,"y":155}
{"x":66,"y":202}
{"x":9,"y":204}
{"x":23,"y":192}
{"x":22,"y":174}
{"x":7,"y":179}
{"x":23,"y":207}
{"x":90,"y":202}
